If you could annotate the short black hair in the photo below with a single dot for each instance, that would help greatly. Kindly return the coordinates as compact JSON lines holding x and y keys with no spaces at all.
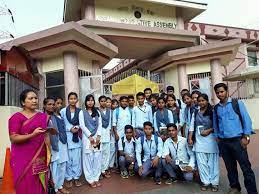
{"x":153,"y":96}
{"x":196,"y":92}
{"x":170,"y":88}
{"x":24,"y":94}
{"x":101,"y":97}
{"x":171,"y":125}
{"x":187,"y":94}
{"x":220,"y":85}
{"x":140,"y":94}
{"x":45,"y":101}
{"x":131,"y":97}
{"x":161,"y":98}
{"x":185,"y":90}
{"x":170,"y":95}
{"x":148,"y":89}
{"x":127,"y":127}
{"x":147,"y":123}
{"x":58,"y":98}
{"x":123,"y":97}
{"x":108,"y":98}
{"x":115,"y":101}
{"x":72,"y":94}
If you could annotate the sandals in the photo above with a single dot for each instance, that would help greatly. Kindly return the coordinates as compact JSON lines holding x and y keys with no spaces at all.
{"x":106,"y":175}
{"x":98,"y":184}
{"x":93,"y":185}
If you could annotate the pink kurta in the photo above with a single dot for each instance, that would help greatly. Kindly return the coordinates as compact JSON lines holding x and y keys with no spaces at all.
{"x":29,"y":159}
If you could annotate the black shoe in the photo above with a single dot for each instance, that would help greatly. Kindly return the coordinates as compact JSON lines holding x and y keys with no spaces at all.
{"x":170,"y":181}
{"x":158,"y":181}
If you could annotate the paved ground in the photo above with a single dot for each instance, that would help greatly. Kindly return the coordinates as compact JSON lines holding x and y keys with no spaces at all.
{"x":116,"y":185}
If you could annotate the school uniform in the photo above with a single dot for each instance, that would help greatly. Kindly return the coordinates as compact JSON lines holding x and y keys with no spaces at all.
{"x":74,"y":145}
{"x":147,"y":103}
{"x":121,"y":118}
{"x":181,"y":155}
{"x":206,"y":149}
{"x":229,"y":128}
{"x":128,"y":147}
{"x":106,"y":116}
{"x":112,"y":146}
{"x":59,"y":153}
{"x":91,"y":126}
{"x":141,"y":114}
{"x":186,"y":116}
{"x":149,"y":150}
{"x":162,"y":119}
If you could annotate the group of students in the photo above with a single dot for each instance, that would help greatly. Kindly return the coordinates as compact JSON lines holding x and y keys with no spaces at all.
{"x":161,"y":136}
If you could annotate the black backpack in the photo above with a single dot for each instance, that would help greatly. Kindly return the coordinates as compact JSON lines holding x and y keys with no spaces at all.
{"x":123,"y":144}
{"x":235,"y":107}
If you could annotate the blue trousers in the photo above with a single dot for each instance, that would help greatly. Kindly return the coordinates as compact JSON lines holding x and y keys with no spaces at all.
{"x":147,"y":169}
{"x":74,"y":164}
{"x":58,"y":174}
{"x":124,"y":164}
{"x":176,"y":172}
{"x":232,"y":152}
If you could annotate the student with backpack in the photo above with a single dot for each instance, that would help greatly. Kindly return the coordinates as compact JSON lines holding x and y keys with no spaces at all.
{"x":178,"y":158}
{"x":122,"y":116}
{"x":126,"y":147}
{"x":140,"y":114}
{"x":149,"y":150}
{"x":205,"y":146}
{"x":232,"y":128}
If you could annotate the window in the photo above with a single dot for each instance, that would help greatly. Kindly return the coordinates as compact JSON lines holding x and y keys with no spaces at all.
{"x":256,"y":85}
{"x":55,"y":84}
{"x":252,"y":58}
{"x":10,"y":89}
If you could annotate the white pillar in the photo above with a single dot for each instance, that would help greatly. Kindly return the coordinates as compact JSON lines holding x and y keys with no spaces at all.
{"x":182,"y":77}
{"x":71,"y":78}
{"x":216,"y":77}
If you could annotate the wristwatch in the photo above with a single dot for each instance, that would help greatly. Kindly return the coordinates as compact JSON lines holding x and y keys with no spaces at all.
{"x":247,"y":137}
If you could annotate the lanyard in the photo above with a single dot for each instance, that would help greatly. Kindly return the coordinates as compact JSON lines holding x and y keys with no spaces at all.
{"x":176,"y":149}
{"x":144,"y":111}
{"x":149,"y":147}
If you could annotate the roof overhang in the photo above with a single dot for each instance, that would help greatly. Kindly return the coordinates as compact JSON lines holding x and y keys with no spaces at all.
{"x":139,"y":42}
{"x":248,"y":73}
{"x":225,"y":51}
{"x":65,"y":37}
{"x":72,"y":8}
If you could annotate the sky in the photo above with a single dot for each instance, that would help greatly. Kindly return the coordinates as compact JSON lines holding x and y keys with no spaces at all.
{"x":35,"y":15}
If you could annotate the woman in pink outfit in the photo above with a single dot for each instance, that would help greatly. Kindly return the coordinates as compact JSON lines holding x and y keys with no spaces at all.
{"x":29,"y":150}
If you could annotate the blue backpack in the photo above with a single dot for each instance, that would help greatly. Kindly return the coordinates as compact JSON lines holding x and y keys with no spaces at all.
{"x":142,"y":142}
{"x":118,"y":112}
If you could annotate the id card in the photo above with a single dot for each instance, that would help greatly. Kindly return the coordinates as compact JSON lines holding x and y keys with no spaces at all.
{"x":177,"y":162}
{"x":200,"y":128}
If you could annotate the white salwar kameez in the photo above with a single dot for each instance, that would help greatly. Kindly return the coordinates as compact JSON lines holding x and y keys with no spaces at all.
{"x":91,"y":158}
